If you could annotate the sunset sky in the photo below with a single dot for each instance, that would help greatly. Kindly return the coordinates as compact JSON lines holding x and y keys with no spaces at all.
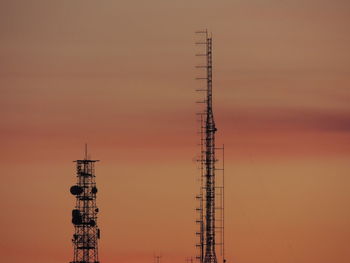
{"x":120,"y":76}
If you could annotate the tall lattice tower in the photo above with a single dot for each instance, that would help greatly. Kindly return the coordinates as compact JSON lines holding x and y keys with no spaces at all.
{"x":84,"y":216}
{"x":211,"y":195}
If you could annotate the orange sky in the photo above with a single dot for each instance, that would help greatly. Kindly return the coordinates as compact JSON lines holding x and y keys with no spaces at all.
{"x":120,"y":76}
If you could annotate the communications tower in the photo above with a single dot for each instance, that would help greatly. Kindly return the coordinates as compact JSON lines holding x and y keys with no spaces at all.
{"x":210,"y":208}
{"x":84,"y":216}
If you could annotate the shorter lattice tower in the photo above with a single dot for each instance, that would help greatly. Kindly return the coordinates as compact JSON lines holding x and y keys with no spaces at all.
{"x":84,"y":216}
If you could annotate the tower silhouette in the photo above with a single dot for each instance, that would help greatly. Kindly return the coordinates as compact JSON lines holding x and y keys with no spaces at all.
{"x":211,"y":194}
{"x":84,"y":215}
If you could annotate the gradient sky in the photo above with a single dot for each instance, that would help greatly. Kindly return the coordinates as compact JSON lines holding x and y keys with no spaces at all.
{"x":119,"y":75}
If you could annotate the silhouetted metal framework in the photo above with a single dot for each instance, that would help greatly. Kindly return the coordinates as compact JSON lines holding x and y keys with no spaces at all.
{"x":211,"y":195}
{"x":84,"y":216}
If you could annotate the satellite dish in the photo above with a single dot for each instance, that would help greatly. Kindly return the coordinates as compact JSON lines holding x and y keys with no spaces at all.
{"x":76,"y":190}
{"x":76,"y":217}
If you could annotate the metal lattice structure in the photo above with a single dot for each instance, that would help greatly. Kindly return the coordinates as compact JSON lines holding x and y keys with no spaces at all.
{"x":84,"y":216}
{"x":211,"y":195}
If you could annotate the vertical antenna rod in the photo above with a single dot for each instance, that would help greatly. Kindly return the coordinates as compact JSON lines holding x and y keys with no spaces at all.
{"x":208,"y":203}
{"x":86,"y":151}
{"x":84,"y":216}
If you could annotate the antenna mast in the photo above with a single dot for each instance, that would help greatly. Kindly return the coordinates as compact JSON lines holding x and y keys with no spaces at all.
{"x":84,"y":216}
{"x":210,"y":187}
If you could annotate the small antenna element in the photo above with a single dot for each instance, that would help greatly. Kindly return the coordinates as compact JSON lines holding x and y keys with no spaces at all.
{"x":157,"y":258}
{"x":86,"y":150}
